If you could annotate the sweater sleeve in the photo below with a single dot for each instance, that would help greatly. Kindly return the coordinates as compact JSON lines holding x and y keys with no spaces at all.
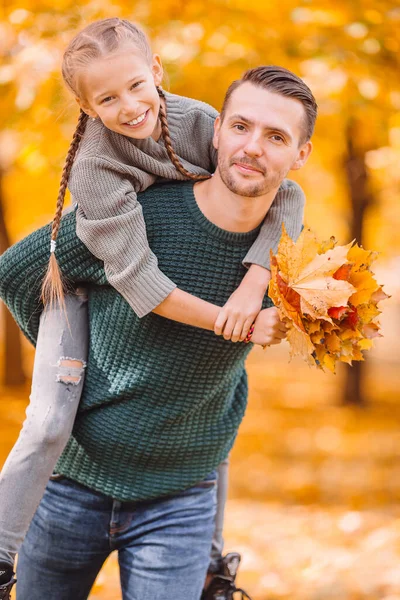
{"x":111,"y":225}
{"x":22,"y":268}
{"x":287,"y":208}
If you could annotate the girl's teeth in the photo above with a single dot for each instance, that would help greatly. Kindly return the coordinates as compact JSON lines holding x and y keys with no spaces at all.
{"x":138,"y":120}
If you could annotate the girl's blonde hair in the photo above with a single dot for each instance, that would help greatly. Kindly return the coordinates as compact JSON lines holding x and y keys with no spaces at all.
{"x":97,"y":40}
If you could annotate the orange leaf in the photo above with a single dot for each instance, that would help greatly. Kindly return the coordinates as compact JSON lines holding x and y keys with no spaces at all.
{"x":333,"y":342}
{"x":337,"y":312}
{"x":343,"y":272}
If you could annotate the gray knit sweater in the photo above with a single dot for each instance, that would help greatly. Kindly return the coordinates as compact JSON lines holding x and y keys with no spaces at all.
{"x":111,"y":169}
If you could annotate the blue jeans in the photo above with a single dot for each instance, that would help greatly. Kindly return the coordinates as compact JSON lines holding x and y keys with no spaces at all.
{"x":163,"y":545}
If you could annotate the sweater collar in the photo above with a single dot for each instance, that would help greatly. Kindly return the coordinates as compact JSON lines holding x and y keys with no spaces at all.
{"x":224,"y":235}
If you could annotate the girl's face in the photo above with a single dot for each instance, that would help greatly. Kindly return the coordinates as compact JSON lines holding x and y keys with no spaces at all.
{"x":120,"y":89}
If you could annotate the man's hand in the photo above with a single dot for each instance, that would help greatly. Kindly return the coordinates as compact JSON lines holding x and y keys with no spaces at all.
{"x":239,"y":313}
{"x":268,"y":328}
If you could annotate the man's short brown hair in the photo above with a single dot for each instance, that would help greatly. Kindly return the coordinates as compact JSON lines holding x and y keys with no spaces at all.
{"x":279,"y":81}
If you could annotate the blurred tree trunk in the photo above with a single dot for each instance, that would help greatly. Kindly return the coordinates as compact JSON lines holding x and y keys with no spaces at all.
{"x":12,"y":373}
{"x":357,"y":178}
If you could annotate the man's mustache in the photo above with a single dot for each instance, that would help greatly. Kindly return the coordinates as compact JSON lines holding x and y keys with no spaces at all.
{"x":244,"y":160}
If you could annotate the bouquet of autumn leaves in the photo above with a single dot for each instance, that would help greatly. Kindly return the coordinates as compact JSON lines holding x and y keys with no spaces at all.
{"x":328,"y":297}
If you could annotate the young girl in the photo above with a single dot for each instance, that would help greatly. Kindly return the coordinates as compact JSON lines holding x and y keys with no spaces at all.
{"x":130,"y":134}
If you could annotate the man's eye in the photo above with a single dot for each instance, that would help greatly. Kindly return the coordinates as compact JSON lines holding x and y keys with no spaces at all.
{"x":239,"y":127}
{"x":277,"y":138}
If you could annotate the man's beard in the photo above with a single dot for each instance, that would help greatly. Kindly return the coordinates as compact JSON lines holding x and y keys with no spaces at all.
{"x":249,"y":189}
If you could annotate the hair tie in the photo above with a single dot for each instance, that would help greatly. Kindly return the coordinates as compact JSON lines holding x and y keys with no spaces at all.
{"x":53,"y":245}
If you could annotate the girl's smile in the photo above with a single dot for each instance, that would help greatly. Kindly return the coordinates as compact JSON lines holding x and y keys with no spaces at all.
{"x":120,"y":89}
{"x":138,"y":121}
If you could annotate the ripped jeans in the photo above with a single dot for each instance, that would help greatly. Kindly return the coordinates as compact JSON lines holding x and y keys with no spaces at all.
{"x":57,"y":384}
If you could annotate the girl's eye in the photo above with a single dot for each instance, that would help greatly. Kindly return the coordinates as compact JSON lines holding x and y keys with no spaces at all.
{"x":136,"y":84}
{"x":105,"y":100}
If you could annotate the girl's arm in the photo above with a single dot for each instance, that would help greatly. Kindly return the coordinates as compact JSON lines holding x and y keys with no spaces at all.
{"x":243,"y":306}
{"x":110,"y":223}
{"x":287,"y":208}
{"x":185,"y":308}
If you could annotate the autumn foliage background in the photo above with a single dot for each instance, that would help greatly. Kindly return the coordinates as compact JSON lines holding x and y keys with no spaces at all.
{"x":315,"y":473}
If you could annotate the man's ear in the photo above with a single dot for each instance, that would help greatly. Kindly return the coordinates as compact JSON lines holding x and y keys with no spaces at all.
{"x":86,"y":108}
{"x":157,"y":69}
{"x":302,"y":157}
{"x":217,"y":127}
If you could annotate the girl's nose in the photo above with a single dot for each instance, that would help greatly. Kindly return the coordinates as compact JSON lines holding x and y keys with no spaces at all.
{"x":129,"y":107}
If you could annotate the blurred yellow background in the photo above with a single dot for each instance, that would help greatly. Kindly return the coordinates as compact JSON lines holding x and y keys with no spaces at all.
{"x":315,"y":476}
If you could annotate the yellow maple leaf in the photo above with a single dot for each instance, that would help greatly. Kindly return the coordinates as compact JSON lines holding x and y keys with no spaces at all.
{"x":318,"y":337}
{"x":324,"y":360}
{"x":329,"y":362}
{"x":357,"y":354}
{"x":365,"y":285}
{"x":293,"y":256}
{"x":318,"y":295}
{"x":365,"y":344}
{"x":361,"y":259}
{"x":315,"y":284}
{"x":322,"y":265}
{"x":346,"y":359}
{"x":329,"y":327}
{"x":300,"y":344}
{"x":368,"y":312}
{"x":333,"y":342}
{"x":349,"y":334}
{"x":313,"y":326}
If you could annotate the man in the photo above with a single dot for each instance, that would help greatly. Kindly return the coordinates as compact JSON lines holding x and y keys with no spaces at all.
{"x":162,"y":401}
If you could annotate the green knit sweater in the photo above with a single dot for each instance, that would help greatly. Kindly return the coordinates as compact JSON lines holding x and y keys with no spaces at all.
{"x":162,"y":401}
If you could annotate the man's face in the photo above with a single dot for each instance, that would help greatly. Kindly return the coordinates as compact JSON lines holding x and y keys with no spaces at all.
{"x":259,"y":140}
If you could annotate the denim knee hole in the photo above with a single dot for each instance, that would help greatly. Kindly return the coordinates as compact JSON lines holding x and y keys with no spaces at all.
{"x":70,"y":370}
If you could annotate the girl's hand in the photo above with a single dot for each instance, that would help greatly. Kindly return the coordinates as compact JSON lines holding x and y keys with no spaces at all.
{"x":268,"y":328}
{"x":239,"y":313}
{"x":236,"y":317}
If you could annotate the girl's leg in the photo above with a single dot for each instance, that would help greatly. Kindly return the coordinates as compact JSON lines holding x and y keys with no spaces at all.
{"x":57,"y":383}
{"x":218,"y":540}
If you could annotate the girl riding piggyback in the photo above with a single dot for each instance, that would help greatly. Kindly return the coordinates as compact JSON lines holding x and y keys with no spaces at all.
{"x":130,"y":134}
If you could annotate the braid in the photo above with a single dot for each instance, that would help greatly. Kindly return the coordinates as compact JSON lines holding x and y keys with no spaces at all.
{"x":53,"y":286}
{"x":174,"y":158}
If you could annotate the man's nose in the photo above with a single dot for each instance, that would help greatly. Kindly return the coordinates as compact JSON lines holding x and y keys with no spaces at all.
{"x":253,"y":146}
